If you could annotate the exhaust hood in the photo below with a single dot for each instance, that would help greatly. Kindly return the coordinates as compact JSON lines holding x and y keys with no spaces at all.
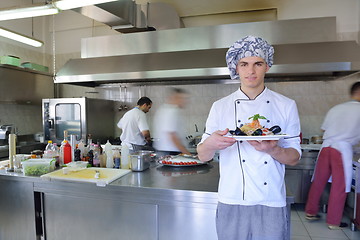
{"x":126,"y":16}
{"x":305,"y":49}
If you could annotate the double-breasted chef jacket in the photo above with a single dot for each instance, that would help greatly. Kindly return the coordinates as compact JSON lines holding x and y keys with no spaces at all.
{"x":248,"y":176}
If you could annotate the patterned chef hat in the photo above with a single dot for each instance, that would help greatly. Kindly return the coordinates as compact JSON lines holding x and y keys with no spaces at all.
{"x":248,"y":46}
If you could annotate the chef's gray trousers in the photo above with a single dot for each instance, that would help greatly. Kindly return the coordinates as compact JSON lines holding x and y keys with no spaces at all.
{"x":237,"y":222}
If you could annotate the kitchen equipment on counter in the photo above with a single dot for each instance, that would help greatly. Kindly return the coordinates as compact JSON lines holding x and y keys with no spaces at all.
{"x":38,"y":167}
{"x":317,"y":139}
{"x":140,"y":161}
{"x":5,"y":130}
{"x":106,"y":175}
{"x":79,"y":116}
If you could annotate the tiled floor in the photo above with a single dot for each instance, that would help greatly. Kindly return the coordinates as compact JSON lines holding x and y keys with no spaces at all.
{"x":301,"y":229}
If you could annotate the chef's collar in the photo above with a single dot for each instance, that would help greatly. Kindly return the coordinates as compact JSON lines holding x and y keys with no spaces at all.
{"x":242,"y":96}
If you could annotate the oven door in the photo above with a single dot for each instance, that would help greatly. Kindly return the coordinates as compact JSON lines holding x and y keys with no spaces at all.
{"x":67,"y":114}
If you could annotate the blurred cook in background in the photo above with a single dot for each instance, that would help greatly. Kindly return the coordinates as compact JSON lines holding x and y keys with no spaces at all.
{"x":169,"y":127}
{"x":135,"y":129}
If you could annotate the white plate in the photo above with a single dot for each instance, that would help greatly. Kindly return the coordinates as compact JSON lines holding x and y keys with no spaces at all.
{"x":259,"y":138}
{"x":177,"y":159}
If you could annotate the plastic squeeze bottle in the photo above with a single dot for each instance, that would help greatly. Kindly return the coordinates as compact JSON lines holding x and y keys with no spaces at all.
{"x":81,"y":147}
{"x":50,"y":150}
{"x":109,"y":155}
{"x":125,"y":157}
{"x":116,"y":157}
{"x":67,"y":153}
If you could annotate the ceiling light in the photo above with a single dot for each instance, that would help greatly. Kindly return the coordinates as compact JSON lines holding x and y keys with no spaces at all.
{"x":28,"y":12}
{"x":20,"y":38}
{"x":70,"y":4}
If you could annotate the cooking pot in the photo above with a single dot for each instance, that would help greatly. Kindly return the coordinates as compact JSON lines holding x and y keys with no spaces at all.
{"x":317,"y":139}
{"x":140,"y":161}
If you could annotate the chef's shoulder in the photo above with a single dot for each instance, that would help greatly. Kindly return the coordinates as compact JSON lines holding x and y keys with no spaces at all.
{"x":282,"y":99}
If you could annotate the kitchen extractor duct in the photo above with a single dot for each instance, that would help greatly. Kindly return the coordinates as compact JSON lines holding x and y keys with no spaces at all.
{"x":305,"y":49}
{"x":126,"y":16}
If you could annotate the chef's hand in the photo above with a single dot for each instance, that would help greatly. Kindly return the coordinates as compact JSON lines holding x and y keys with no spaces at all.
{"x":216,"y":141}
{"x":264,"y":146}
{"x":289,"y":156}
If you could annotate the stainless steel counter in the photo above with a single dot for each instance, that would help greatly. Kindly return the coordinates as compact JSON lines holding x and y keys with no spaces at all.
{"x":154,"y":204}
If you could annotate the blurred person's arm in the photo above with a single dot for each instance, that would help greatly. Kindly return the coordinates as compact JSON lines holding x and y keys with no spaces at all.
{"x":175,"y":139}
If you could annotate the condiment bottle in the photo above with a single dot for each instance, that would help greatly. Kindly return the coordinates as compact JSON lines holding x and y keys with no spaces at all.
{"x":109,"y":155}
{"x":81,"y":147}
{"x":125,"y":157}
{"x":67,"y":153}
{"x":116,"y":157}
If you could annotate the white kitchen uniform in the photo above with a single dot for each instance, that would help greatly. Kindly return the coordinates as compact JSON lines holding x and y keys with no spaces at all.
{"x":132,"y":124}
{"x":168,"y":119}
{"x":247,"y":176}
{"x":342,"y":133}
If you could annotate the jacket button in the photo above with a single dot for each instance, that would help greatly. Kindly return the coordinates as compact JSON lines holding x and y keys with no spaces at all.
{"x":243,"y":160}
{"x":241,"y":141}
{"x":238,"y":102}
{"x":268,"y":121}
{"x":267,"y":101}
{"x":265,"y":183}
{"x":239,"y":120}
{"x":265,"y":162}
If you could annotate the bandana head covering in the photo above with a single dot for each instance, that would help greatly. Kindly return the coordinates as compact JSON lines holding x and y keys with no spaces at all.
{"x":249,"y":46}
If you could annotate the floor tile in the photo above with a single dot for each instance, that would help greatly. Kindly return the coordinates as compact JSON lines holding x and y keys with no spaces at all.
{"x":327,"y":238}
{"x":300,"y":238}
{"x":319,"y":229}
{"x":298,"y":229}
{"x":294,"y":215}
{"x":352,"y":235}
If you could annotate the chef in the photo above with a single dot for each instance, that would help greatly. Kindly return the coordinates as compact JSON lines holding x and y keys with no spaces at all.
{"x":169,"y":128}
{"x":341,"y":131}
{"x":252,"y":190}
{"x":135,"y":129}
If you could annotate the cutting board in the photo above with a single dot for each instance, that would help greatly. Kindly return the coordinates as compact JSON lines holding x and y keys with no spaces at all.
{"x":107,"y":175}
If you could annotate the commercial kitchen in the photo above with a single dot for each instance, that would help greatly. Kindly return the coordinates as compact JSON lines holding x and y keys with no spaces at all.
{"x":96,"y":61}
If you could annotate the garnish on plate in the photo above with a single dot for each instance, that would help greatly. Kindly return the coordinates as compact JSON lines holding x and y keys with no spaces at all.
{"x":254,"y":128}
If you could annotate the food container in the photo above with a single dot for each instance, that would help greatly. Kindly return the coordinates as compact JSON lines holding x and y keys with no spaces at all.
{"x":317,"y":139}
{"x":35,"y":66}
{"x":10,"y":60}
{"x":38,"y":167}
{"x":37,"y":154}
{"x":140,"y":161}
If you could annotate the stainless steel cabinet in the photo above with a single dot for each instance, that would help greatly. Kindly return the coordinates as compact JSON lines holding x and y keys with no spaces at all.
{"x":187,"y":222}
{"x":298,"y":181}
{"x":91,"y":218}
{"x":17,"y":212}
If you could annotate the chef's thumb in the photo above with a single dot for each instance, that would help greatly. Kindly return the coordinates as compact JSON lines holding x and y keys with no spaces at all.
{"x":223,"y":132}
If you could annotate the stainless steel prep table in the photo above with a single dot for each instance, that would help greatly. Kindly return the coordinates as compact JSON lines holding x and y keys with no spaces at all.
{"x":154,"y":204}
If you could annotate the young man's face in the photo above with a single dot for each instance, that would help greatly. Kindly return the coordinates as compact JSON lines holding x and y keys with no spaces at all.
{"x":252,"y":72}
{"x":145,"y":108}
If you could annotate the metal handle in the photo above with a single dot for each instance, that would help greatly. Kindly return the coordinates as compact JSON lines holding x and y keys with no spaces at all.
{"x":50,"y":123}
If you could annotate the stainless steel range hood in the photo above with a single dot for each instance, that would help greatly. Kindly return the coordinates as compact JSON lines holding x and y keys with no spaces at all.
{"x":305,"y":49}
{"x":126,"y":16}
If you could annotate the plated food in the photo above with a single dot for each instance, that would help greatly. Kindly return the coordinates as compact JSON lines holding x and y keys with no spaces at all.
{"x":180,"y":161}
{"x":254,"y":129}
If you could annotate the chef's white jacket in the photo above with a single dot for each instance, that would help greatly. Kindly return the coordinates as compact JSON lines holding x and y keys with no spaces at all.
{"x":247,"y":176}
{"x":168,"y":119}
{"x":342,"y":131}
{"x":132,"y":124}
